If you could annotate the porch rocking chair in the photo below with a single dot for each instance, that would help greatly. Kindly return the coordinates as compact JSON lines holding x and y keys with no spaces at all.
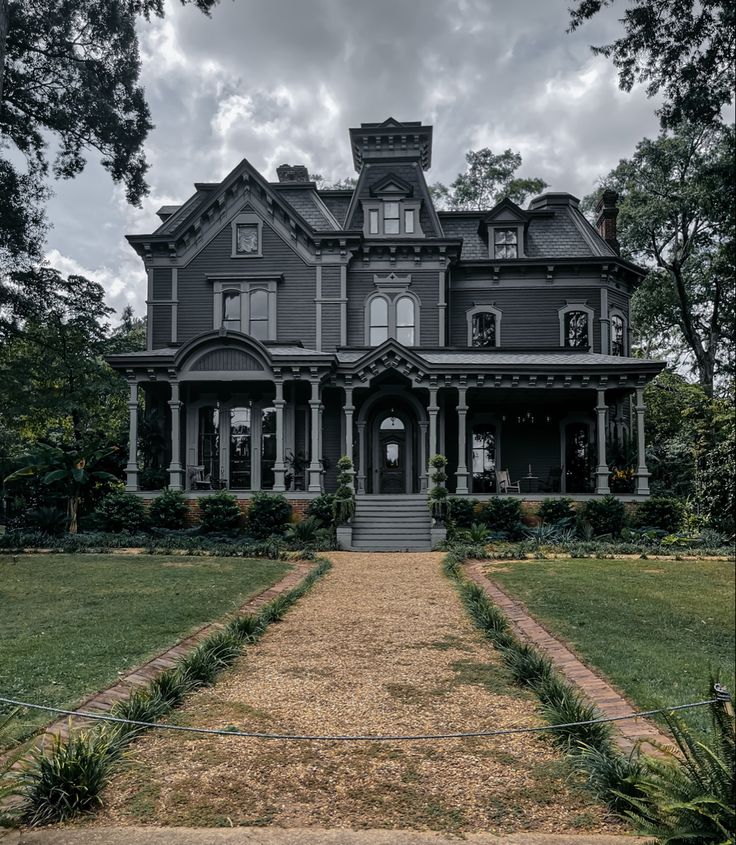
{"x":505,"y":484}
{"x":198,"y":479}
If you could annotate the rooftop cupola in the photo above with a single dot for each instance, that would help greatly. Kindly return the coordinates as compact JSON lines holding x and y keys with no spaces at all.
{"x":392,"y":140}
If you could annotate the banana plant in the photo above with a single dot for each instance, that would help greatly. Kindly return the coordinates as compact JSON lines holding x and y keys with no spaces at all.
{"x":72,"y":467}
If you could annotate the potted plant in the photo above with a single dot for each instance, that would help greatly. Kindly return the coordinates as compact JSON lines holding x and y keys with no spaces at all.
{"x":437,"y":498}
{"x":343,"y":507}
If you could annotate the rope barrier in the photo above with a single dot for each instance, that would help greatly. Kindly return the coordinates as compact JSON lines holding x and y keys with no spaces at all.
{"x":100,"y":717}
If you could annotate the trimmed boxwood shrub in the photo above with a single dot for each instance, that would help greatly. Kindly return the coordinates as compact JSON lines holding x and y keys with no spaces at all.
{"x":169,"y":510}
{"x":322,"y":509}
{"x":120,"y":511}
{"x":606,"y":515}
{"x":220,"y":513}
{"x":502,"y":514}
{"x":268,"y":513}
{"x":552,"y":511}
{"x":662,"y":512}
{"x":462,"y":511}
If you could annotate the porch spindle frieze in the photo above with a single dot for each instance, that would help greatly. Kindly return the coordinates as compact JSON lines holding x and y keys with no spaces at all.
{"x":131,"y":469}
{"x":175,"y":467}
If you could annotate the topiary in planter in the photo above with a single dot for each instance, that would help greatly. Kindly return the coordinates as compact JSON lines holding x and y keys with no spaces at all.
{"x":437,"y":498}
{"x":268,"y":514}
{"x":220,"y":513}
{"x":344,"y":503}
{"x":121,"y":511}
{"x":169,"y":510}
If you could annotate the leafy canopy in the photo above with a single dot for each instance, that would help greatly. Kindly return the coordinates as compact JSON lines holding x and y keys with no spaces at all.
{"x":682,"y":49}
{"x":676,"y":218}
{"x":487,"y":179}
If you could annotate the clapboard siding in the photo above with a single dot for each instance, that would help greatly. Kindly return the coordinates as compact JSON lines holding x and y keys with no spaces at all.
{"x":330,"y":326}
{"x":196,"y":301}
{"x":330,"y":281}
{"x":161,"y":287}
{"x":424,"y":284}
{"x":161,"y":331}
{"x":529,"y":315}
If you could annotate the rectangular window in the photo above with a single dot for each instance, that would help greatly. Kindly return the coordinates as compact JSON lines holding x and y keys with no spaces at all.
{"x":259,"y":314}
{"x":231,"y":310}
{"x":409,"y":221}
{"x":505,"y":243}
{"x":246,"y":239}
{"x":373,"y":221}
{"x":391,"y":218}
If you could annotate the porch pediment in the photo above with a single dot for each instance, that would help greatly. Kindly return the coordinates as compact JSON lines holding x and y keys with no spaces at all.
{"x":390,"y":355}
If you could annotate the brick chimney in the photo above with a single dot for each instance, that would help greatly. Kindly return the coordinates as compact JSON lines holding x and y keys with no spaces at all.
{"x":607,"y":212}
{"x":292,"y":173}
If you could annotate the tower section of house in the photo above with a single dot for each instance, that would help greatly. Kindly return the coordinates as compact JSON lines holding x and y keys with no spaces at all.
{"x":289,"y":325}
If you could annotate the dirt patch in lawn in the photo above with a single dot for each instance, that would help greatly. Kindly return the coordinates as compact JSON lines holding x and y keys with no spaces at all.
{"x":382,"y":645}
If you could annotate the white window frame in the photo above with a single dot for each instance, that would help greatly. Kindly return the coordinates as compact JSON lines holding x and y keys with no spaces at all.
{"x":392,"y":298}
{"x":617,"y":312}
{"x":246,"y":287}
{"x":247,"y":219}
{"x":481,"y":309}
{"x":493,"y":228}
{"x":575,"y":306}
{"x":378,"y":207}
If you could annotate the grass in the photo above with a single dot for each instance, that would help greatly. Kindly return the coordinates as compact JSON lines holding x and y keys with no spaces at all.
{"x":72,"y":623}
{"x":655,"y":628}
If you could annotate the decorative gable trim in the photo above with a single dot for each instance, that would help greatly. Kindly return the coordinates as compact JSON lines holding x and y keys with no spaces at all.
{"x":391,"y":186}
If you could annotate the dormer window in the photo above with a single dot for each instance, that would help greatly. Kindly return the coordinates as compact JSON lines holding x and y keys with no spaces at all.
{"x":391,"y":218}
{"x":409,"y":221}
{"x":392,"y":209}
{"x":373,"y":221}
{"x":505,"y":243}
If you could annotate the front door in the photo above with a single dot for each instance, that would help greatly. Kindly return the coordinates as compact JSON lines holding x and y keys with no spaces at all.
{"x":392,"y":469}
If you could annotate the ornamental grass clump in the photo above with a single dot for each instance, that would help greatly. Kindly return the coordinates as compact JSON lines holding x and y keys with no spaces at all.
{"x":528,"y":666}
{"x":246,"y":627}
{"x":202,"y":665}
{"x":563,"y":705}
{"x":144,"y":704}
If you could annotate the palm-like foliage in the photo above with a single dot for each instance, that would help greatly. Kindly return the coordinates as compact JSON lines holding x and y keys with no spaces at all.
{"x":73,"y":467}
{"x":688,"y":797}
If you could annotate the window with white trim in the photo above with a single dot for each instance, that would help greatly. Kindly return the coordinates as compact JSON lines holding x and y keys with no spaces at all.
{"x":506,"y":243}
{"x":618,"y":335}
{"x":391,"y":218}
{"x":231,"y":310}
{"x":246,"y":305}
{"x":392,"y":315}
{"x":258,"y":321}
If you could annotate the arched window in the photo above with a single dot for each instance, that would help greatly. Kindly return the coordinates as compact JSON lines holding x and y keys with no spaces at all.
{"x":618,"y":335}
{"x":576,"y":330}
{"x":259,"y":314}
{"x":405,"y":320}
{"x":231,"y":310}
{"x":483,"y":329}
{"x":392,"y":423}
{"x":378,"y":321}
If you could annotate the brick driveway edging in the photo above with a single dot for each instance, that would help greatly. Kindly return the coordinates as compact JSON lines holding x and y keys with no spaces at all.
{"x":101,"y":702}
{"x":611,"y":703}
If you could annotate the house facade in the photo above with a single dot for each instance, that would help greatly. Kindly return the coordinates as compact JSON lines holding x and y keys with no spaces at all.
{"x":289,"y":325}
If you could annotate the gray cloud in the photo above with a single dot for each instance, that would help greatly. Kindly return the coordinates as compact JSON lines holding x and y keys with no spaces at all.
{"x":283,"y":80}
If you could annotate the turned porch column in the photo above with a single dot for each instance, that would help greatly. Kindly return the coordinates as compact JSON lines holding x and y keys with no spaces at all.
{"x":601,"y":471}
{"x":461,"y":476}
{"x":131,"y":470}
{"x":279,"y":467}
{"x":423,"y":459}
{"x":175,"y":468}
{"x":432,"y":409}
{"x":362,"y":457}
{"x":642,"y":473}
{"x":315,"y":467}
{"x":348,"y":409}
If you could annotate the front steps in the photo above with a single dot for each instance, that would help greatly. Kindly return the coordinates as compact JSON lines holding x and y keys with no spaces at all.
{"x":391,"y":523}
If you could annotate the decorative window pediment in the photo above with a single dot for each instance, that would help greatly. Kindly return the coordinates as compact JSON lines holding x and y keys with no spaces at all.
{"x":392,"y":311}
{"x":484,"y":326}
{"x":506,"y":225}
{"x":392,"y":186}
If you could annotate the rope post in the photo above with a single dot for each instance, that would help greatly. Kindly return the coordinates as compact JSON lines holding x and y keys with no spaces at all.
{"x":723,"y":696}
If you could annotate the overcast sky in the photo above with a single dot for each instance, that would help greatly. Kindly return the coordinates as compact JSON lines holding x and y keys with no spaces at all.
{"x":282,"y":80}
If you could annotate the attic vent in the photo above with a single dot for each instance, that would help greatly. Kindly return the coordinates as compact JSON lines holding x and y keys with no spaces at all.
{"x":292,"y":173}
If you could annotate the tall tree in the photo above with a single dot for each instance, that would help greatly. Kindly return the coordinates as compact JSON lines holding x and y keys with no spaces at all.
{"x":676,"y":218}
{"x":487,"y":179}
{"x":683,"y":49}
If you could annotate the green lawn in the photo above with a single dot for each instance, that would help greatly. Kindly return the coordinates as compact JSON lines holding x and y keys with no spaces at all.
{"x":70,"y":623}
{"x":655,"y":628}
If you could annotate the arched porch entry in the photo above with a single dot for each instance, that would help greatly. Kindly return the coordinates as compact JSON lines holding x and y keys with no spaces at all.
{"x":392,"y":435}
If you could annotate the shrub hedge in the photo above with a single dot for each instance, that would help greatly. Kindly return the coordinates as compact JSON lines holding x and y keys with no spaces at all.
{"x":664,"y":512}
{"x":169,"y":510}
{"x":552,"y":511}
{"x":268,"y":514}
{"x":120,"y":511}
{"x":502,"y":515}
{"x":220,"y":513}
{"x":606,"y":515}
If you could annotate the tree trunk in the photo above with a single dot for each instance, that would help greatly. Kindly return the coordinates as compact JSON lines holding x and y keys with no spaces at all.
{"x":4,"y":16}
{"x":72,"y":509}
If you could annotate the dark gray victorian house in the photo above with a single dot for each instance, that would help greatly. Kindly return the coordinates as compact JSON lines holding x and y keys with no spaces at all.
{"x":289,"y":325}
